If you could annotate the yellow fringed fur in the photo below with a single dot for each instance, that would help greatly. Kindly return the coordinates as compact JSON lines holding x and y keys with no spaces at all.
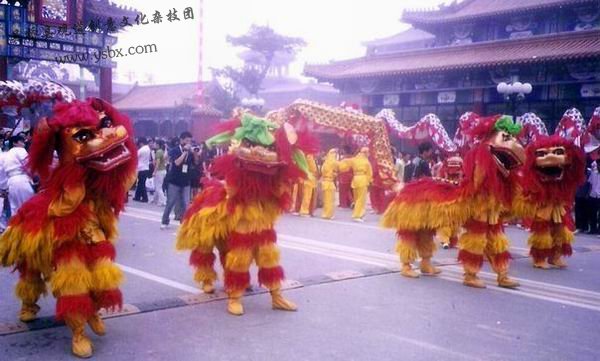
{"x":498,"y":243}
{"x":473,"y":242}
{"x":564,"y":236}
{"x":71,"y":278}
{"x":106,"y":275}
{"x":407,"y":253}
{"x":406,"y":216}
{"x":29,"y":291}
{"x":540,"y":240}
{"x":238,"y":260}
{"x":204,"y":274}
{"x":268,"y":256}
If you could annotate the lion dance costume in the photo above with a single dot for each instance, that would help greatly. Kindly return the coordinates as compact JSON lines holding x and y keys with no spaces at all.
{"x":451,"y":171}
{"x":478,"y":202}
{"x":237,"y":214}
{"x":554,"y":169}
{"x":64,"y":235}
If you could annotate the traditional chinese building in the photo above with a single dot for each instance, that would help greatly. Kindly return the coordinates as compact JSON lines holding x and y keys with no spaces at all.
{"x":167,"y":110}
{"x":452,"y":59}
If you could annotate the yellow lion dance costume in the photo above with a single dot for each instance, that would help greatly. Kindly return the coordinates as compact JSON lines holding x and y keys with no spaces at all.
{"x":64,"y":235}
{"x":236,"y":213}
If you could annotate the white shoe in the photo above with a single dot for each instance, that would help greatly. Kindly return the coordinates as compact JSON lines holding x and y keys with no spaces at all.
{"x":359,"y":220}
{"x":164,"y":226}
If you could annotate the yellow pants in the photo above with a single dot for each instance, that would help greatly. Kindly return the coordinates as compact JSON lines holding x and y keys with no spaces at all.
{"x":360,"y":201}
{"x":307,"y":194}
{"x":328,"y":203}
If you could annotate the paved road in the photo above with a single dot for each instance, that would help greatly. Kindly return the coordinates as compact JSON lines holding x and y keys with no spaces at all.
{"x":353,"y":305}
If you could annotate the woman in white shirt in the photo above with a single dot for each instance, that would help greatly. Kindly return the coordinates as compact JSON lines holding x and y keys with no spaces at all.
{"x":19,"y":182}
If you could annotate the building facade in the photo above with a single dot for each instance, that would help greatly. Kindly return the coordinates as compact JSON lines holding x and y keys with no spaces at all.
{"x":454,"y":57}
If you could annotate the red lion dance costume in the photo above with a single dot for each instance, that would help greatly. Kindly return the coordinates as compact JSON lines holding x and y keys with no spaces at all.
{"x":549,"y":180}
{"x":478,"y":203}
{"x":238,"y":213}
{"x":64,"y":235}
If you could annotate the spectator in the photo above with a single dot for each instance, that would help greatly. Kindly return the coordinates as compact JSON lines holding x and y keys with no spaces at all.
{"x":582,"y":206}
{"x":160,"y":171}
{"x":144,"y":159}
{"x":181,"y":159}
{"x":419,"y":166}
{"x":19,"y":182}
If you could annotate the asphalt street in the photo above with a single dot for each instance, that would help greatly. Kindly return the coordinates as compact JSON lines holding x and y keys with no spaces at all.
{"x":353,"y":304}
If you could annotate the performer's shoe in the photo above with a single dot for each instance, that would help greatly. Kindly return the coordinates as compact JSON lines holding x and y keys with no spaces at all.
{"x":445,"y":245}
{"x":281,"y":303}
{"x":427,"y":269}
{"x":541,"y":264}
{"x":506,"y":282}
{"x":208,"y":287}
{"x":234,"y":306}
{"x":97,"y":325}
{"x":408,"y":272}
{"x":471,"y":280}
{"x":558,"y":262}
{"x":81,"y":346}
{"x":359,"y":220}
{"x":28,"y":312}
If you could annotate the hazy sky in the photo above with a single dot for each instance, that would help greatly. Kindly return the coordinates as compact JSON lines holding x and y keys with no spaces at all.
{"x":333,"y":29}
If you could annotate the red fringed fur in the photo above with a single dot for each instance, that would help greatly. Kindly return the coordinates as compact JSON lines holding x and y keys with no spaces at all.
{"x":268,"y":236}
{"x":408,"y":237}
{"x":70,"y":250}
{"x":270,"y":276}
{"x":539,"y":255}
{"x":471,"y":259}
{"x":453,"y":241}
{"x":101,"y":250}
{"x":236,"y":281}
{"x":228,"y":126}
{"x":74,"y":306}
{"x":213,"y":193}
{"x":109,"y":299}
{"x":502,"y":259}
{"x":474,"y":226}
{"x":566,"y":250}
{"x":540,"y":226}
{"x":201,"y":259}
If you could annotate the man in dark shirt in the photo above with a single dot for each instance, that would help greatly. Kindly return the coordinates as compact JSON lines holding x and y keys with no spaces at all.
{"x":419,"y":166}
{"x":182,"y":159}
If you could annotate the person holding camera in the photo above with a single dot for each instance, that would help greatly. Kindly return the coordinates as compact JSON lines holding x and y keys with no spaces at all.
{"x":179,"y":177}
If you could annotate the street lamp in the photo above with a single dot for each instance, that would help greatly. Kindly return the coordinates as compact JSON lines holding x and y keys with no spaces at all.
{"x":254,"y":103}
{"x":514,"y":93}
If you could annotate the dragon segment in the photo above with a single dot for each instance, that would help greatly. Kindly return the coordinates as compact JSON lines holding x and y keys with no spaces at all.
{"x":478,"y":202}
{"x":65,"y":234}
{"x":237,"y":213}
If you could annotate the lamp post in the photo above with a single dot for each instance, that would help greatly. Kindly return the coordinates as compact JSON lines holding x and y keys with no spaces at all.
{"x":254,"y":103}
{"x":514,"y":93}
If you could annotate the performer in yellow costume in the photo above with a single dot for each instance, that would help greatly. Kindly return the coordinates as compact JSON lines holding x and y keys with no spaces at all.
{"x":363,"y":175}
{"x":328,"y":176}
{"x":308,"y":187}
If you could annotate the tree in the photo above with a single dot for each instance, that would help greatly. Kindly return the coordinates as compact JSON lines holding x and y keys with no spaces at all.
{"x":265,"y":42}
{"x":222,"y":96}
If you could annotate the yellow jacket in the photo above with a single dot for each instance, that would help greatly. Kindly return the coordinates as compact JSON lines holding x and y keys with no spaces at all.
{"x":361,"y":168}
{"x":329,"y":172}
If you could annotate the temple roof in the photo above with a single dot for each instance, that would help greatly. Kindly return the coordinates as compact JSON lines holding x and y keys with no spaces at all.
{"x":545,"y":48}
{"x":104,"y":9}
{"x":406,"y":36}
{"x":164,"y":96}
{"x":477,"y":9}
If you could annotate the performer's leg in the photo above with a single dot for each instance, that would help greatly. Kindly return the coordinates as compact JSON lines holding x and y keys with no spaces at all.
{"x":307,"y":193}
{"x":425,"y":248}
{"x":562,"y":239}
{"x":203,"y":260}
{"x":540,"y":243}
{"x":29,"y":289}
{"x":237,"y":264}
{"x":497,"y":252}
{"x":71,"y":283}
{"x":406,"y":247}
{"x":295,"y":191}
{"x":471,"y":245}
{"x":360,"y":202}
{"x":270,"y":273}
{"x":106,"y":279}
{"x":328,"y":203}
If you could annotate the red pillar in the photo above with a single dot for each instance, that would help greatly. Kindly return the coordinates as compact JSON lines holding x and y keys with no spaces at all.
{"x":106,"y":84}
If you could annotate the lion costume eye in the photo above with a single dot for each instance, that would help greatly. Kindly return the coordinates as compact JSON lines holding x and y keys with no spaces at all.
{"x":559,"y":151}
{"x":83,"y":135}
{"x":540,"y":153}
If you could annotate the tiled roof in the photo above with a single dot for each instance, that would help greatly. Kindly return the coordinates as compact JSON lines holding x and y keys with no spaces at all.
{"x":104,"y":9}
{"x":572,"y":45}
{"x":472,"y":9}
{"x":163,"y":96}
{"x":406,"y":36}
